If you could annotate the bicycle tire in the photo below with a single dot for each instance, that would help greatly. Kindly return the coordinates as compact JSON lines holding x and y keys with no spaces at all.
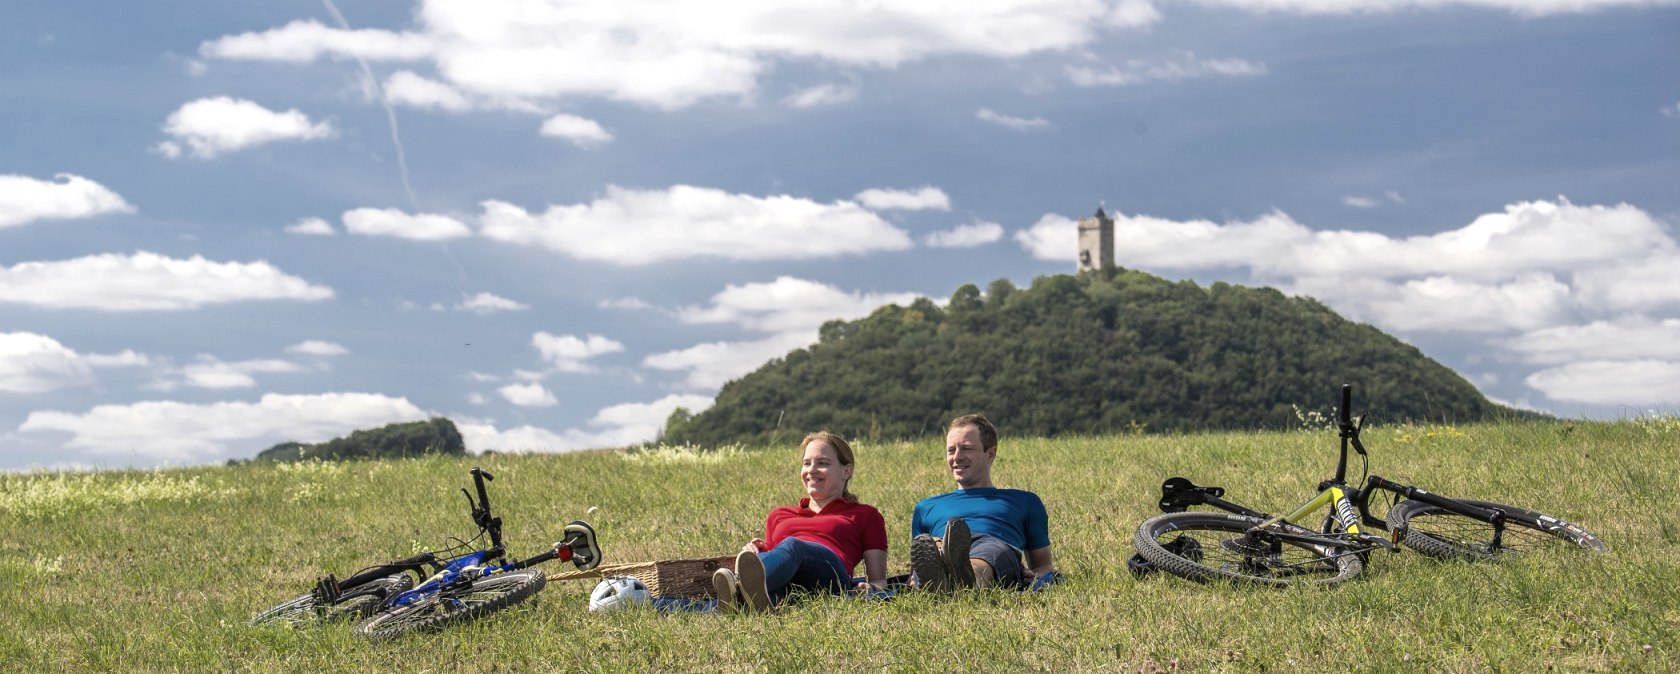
{"x":354,"y":603}
{"x":1215,"y":560}
{"x":1443,"y":534}
{"x":484,"y":596}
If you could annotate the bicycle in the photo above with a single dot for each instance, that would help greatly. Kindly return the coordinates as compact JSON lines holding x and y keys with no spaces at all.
{"x":1247,"y":546}
{"x":435,"y":589}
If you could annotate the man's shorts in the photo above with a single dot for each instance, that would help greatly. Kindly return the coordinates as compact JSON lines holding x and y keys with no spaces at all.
{"x":1004,"y":559}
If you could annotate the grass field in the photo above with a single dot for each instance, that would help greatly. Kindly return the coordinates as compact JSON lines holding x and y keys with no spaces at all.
{"x":158,"y":571}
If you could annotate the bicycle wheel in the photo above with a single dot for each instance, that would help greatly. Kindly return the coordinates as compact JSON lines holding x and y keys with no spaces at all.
{"x":1204,"y":546}
{"x":355,"y":602}
{"x":1441,"y":533}
{"x":484,"y":596}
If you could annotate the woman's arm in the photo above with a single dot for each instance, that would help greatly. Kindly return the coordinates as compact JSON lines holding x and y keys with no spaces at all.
{"x":875,"y":569}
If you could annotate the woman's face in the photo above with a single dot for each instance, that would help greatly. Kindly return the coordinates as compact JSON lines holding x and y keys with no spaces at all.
{"x":820,"y":470}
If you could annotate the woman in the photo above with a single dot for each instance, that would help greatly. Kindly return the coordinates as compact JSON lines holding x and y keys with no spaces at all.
{"x":814,"y":546}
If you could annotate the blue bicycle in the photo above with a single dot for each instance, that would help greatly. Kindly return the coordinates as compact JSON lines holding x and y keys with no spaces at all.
{"x":451,"y":588}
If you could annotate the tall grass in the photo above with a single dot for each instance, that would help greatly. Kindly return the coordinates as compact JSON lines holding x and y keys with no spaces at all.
{"x":158,"y":571}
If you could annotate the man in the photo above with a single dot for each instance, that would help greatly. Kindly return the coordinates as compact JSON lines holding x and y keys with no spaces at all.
{"x":976,"y":536}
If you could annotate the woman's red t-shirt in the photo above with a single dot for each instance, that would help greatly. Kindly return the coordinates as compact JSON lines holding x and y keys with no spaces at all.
{"x":844,"y":527}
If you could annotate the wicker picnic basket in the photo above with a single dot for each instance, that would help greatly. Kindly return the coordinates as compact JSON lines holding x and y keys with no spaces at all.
{"x":664,"y":578}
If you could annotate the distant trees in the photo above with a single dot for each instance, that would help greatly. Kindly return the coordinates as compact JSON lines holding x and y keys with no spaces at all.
{"x":1100,"y":352}
{"x":434,"y":436}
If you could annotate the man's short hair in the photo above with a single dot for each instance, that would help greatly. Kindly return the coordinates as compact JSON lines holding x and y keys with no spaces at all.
{"x":988,"y":432}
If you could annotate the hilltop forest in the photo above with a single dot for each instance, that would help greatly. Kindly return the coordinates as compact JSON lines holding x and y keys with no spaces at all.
{"x":1096,"y":353}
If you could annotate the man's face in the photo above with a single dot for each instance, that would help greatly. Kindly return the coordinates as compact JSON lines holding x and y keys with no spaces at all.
{"x":970,"y":463}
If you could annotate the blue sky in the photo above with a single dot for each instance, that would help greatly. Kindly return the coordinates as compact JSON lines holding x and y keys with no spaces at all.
{"x":226,"y":226}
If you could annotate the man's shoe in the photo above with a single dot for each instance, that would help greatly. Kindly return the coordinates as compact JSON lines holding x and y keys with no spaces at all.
{"x":957,"y":541}
{"x":928,"y":564}
{"x":749,"y":571}
{"x":727,"y":589}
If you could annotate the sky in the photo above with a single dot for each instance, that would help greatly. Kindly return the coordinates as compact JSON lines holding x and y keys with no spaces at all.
{"x":229,"y":225}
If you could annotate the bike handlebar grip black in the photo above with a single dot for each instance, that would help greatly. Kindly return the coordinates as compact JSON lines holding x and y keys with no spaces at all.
{"x":480,"y":471}
{"x":1347,"y":402}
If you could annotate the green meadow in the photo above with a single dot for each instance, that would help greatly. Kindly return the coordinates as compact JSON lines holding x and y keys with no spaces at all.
{"x":158,"y":571}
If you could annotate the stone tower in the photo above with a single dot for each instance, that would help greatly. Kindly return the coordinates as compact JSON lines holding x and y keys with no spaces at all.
{"x":1096,"y":242}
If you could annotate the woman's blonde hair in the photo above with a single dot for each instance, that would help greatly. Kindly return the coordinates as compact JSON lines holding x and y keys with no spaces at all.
{"x":842,"y":451}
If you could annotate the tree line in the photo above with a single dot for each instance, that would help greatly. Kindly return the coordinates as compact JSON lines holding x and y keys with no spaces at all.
{"x":1095,"y":353}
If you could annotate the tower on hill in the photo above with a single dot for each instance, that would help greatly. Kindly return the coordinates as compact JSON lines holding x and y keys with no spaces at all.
{"x":1096,"y":242}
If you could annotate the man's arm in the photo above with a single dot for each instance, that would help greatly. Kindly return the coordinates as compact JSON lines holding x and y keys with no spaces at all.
{"x":1039,"y":561}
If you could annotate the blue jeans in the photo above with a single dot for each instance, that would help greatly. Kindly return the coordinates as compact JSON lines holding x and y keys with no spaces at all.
{"x":802,"y":565}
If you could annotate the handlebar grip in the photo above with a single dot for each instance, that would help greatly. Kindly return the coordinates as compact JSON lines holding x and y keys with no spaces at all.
{"x":480,"y":471}
{"x":1347,"y":402}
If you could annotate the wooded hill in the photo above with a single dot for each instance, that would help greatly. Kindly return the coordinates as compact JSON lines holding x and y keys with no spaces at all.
{"x":1096,"y":353}
{"x":392,"y":441}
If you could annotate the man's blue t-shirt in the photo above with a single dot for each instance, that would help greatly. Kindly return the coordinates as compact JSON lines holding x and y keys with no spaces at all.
{"x":1013,"y":516}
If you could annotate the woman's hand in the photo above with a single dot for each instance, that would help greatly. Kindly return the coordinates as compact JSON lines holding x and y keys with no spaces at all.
{"x":756,"y":545}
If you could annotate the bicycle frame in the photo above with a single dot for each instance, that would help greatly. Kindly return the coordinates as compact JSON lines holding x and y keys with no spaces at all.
{"x":1350,"y":506}
{"x":472,"y":566}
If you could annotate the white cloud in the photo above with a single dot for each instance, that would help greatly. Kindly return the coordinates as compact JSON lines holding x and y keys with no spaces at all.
{"x":641,"y":227}
{"x":302,"y":41}
{"x":208,"y":372}
{"x":1528,"y":237}
{"x":1182,"y":67}
{"x":1356,"y":201}
{"x":408,"y":88}
{"x":625,"y":304}
{"x":1637,"y":383}
{"x":527,"y":395}
{"x":31,"y":363}
{"x":580,"y":131}
{"x":926,"y":197}
{"x":1625,"y":339}
{"x":311,"y":227}
{"x":966,"y":236}
{"x":1445,"y":303}
{"x":712,"y":364}
{"x":1635,"y":282}
{"x":486,"y":303}
{"x":395,"y":223}
{"x":787,"y":304}
{"x":671,"y":55}
{"x":1053,"y":237}
{"x":1017,"y":123}
{"x":24,"y":199}
{"x":793,"y":309}
{"x":1671,"y":110}
{"x":619,"y":425}
{"x":176,"y":431}
{"x":212,"y":126}
{"x":821,"y":95}
{"x":1521,"y":7}
{"x":568,"y":353}
{"x":316,"y":347}
{"x":148,"y":282}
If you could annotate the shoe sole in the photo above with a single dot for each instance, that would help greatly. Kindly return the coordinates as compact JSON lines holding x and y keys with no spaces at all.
{"x":957,"y":543}
{"x":928,"y":564}
{"x":725,"y":587}
{"x":749,"y":572}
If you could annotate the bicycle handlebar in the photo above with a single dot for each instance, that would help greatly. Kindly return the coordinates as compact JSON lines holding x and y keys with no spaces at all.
{"x":481,"y":514}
